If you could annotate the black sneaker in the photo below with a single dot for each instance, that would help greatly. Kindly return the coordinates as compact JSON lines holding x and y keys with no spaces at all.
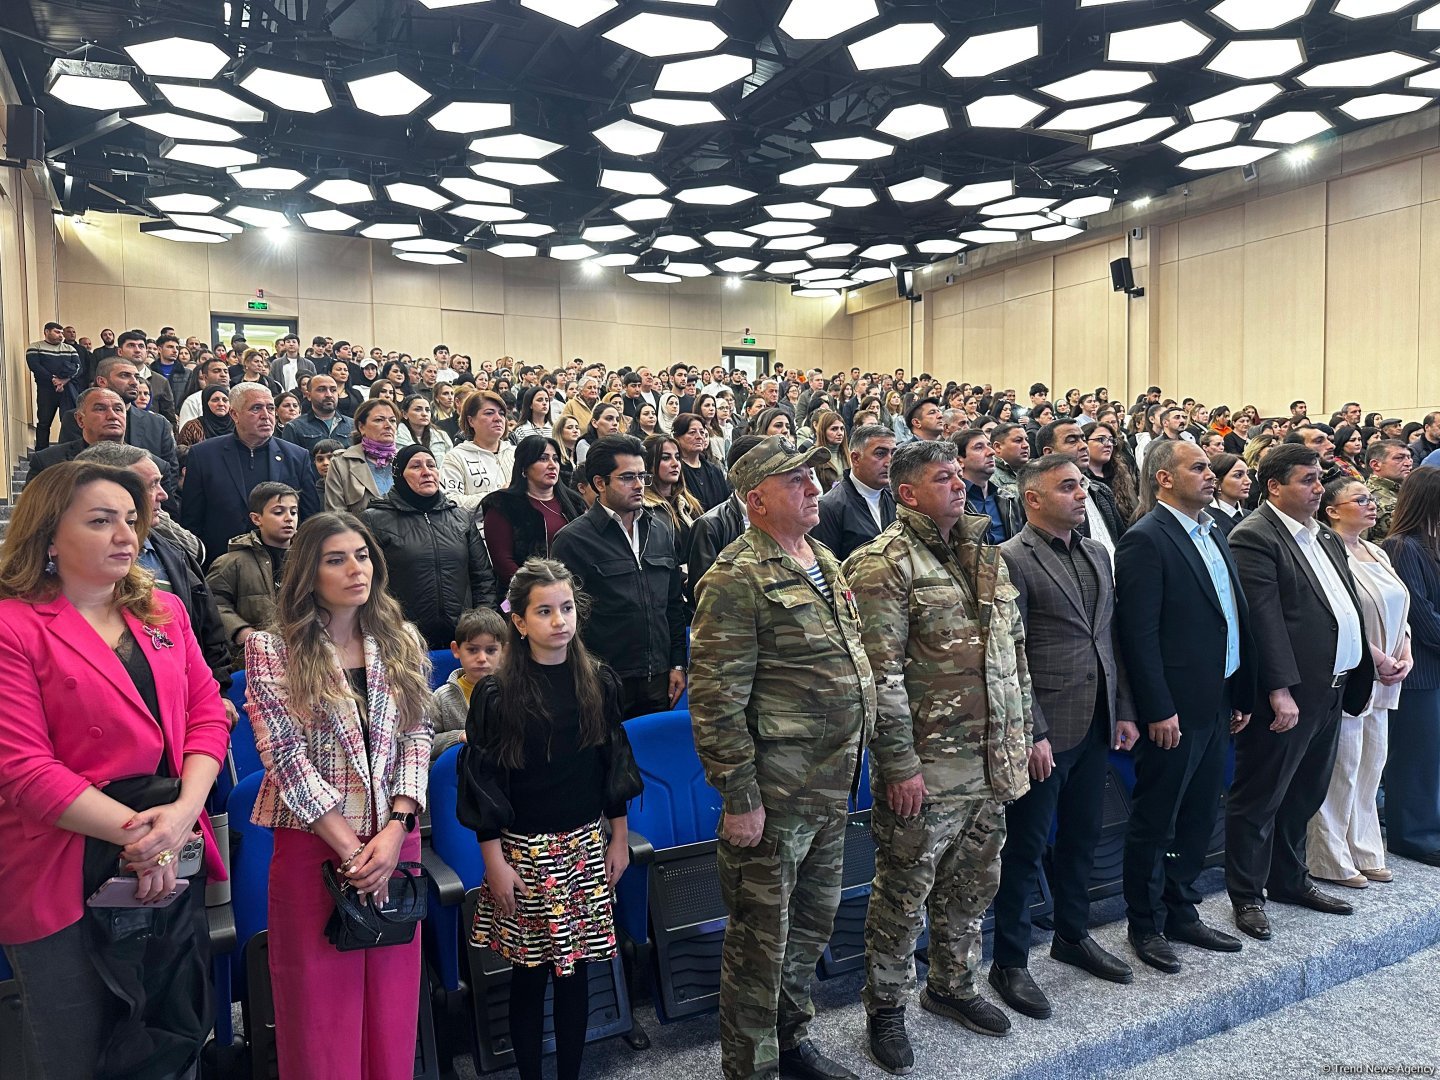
{"x":975,"y":1013}
{"x":889,"y":1045}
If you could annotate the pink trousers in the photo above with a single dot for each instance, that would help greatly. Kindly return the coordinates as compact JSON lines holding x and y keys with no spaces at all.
{"x":338,"y":1015}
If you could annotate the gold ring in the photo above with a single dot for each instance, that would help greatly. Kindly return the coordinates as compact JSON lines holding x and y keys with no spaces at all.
{"x":165,"y":858}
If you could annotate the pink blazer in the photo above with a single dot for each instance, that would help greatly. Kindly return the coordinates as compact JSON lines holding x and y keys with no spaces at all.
{"x":71,"y":718}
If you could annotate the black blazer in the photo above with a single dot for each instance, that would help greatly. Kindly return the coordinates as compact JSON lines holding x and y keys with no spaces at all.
{"x":1171,"y":628}
{"x":1295,"y":630}
{"x":712,"y":533}
{"x":214,"y":504}
{"x":1224,"y":522}
{"x":845,"y":521}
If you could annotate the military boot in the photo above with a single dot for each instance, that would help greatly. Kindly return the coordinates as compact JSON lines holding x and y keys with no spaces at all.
{"x":889,"y":1045}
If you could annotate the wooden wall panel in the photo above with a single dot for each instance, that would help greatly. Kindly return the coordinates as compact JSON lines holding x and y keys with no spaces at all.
{"x":335,"y":268}
{"x":589,"y":301}
{"x":252,"y":260}
{"x":482,"y":333}
{"x":1375,"y":192}
{"x":696,"y":305}
{"x":946,"y":302}
{"x":594,"y":341}
{"x":1211,"y":232}
{"x":92,"y":253}
{"x":836,"y":354}
{"x":752,"y":304}
{"x":151,"y":263}
{"x":640,"y":305}
{"x":406,"y":328}
{"x":985,"y":344}
{"x":99,"y":306}
{"x":346,"y":321}
{"x":1028,"y":344}
{"x":154,"y":308}
{"x":1284,"y":322}
{"x":1210,"y":326}
{"x":532,"y":339}
{"x":1428,"y":366}
{"x":1288,"y":212}
{"x":529,"y":293}
{"x":1082,"y":335}
{"x":947,"y":348}
{"x":1084,"y":264}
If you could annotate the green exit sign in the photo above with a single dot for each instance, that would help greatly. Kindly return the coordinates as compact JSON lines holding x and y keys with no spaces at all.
{"x":747,"y":341}
{"x":258,"y":305}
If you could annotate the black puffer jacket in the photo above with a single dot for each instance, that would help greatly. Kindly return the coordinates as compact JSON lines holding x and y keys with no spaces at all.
{"x":437,"y":560}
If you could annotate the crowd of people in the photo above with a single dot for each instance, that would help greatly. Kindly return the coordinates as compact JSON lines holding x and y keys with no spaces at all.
{"x":988,"y":595}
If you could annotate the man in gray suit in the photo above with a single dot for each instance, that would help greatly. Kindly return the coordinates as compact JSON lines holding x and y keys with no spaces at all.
{"x":1081,"y":709}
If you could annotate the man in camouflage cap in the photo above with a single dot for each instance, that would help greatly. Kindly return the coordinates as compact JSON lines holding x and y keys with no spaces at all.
{"x":1390,"y":462}
{"x":782,"y":700}
{"x":951,"y":746}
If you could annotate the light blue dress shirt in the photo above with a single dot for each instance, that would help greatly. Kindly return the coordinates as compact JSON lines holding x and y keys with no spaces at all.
{"x":1199,"y":532}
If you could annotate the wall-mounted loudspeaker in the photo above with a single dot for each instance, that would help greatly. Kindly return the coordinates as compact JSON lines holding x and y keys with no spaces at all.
{"x":24,"y":133}
{"x":1122,"y":279}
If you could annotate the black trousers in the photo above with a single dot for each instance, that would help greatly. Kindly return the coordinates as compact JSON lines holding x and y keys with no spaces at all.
{"x":641,"y":695}
{"x":1172,"y":819}
{"x":1072,"y":797}
{"x":1280,"y":782}
{"x":47,"y":403}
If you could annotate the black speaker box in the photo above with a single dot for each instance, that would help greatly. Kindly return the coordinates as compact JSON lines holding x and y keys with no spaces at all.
{"x":24,"y":133}
{"x":1122,"y":277}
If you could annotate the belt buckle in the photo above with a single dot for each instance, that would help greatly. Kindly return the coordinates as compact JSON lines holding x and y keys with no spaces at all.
{"x":1339,"y":680}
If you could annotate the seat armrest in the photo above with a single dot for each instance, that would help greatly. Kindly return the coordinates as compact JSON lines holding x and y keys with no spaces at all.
{"x":448,"y":886}
{"x":641,"y":850}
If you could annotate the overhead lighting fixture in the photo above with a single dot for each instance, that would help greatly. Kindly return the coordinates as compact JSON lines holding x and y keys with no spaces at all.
{"x":1251,"y":15}
{"x":268,"y":178}
{"x":704,"y":74}
{"x":724,"y":238}
{"x":813,"y":294}
{"x":1300,"y":155}
{"x":524,"y":228}
{"x":1020,"y":222}
{"x":385,"y":87}
{"x":818,"y":273}
{"x":884,"y":252}
{"x":1024,"y":204}
{"x":88,"y":85}
{"x":1052,"y":233}
{"x":207,"y":223}
{"x":939,"y":247}
{"x":1137,"y":131}
{"x":914,"y":121}
{"x":174,"y":125}
{"x":1229,"y":157}
{"x":515,"y":146}
{"x":430,"y":258}
{"x":165,"y":51}
{"x":652,"y":34}
{"x":737,"y":265}
{"x":849,"y":197}
{"x":989,"y":236}
{"x":571,"y":12}
{"x":1369,"y":70}
{"x":1429,"y":19}
{"x":571,"y":252}
{"x":342,"y":191}
{"x":920,"y":189}
{"x":286,"y":84}
{"x":1090,"y":117}
{"x":628,"y":137}
{"x":715,"y":195}
{"x":180,"y":200}
{"x":329,"y":220}
{"x":1002,"y":111}
{"x":675,"y":243}
{"x":605,"y":234}
{"x":1426,"y":80}
{"x":786,"y":266}
{"x":631,"y":182}
{"x":677,"y":112}
{"x":780,"y":228}
{"x":689,"y":269}
{"x":832,"y":251}
{"x":814,"y":20}
{"x":392,"y":229}
{"x":474,"y":211}
{"x":817,"y":173}
{"x":905,"y":44}
{"x":1374,"y":106}
{"x":794,"y":243}
{"x":1098,"y":83}
{"x":425,"y":244}
{"x":1288,"y":128}
{"x":1141,"y":203}
{"x":1085,"y":206}
{"x":418,"y":195}
{"x":985,"y":54}
{"x":167,"y":230}
{"x":1258,"y":59}
{"x":212,"y":102}
{"x":465,"y":117}
{"x":617,"y":258}
{"x":1162,"y":43}
{"x":982,"y":193}
{"x":208,"y":155}
{"x":1237,"y":102}
{"x":1199,"y":136}
{"x":651,"y":277}
{"x":472,"y":190}
{"x":522,"y":174}
{"x":872,"y":273}
{"x":645,"y":209}
{"x":262,"y":217}
{"x":513,"y":249}
{"x":1368,"y":9}
{"x":852,"y":148}
{"x":798,"y":211}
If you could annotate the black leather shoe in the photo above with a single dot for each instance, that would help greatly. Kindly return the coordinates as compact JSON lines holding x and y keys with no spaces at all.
{"x":1315,"y":900}
{"x":975,"y":1013}
{"x":1251,"y":918}
{"x":1202,"y":937}
{"x":805,"y":1062}
{"x":889,"y":1044}
{"x":1087,"y":955}
{"x":1155,"y":951}
{"x":1019,"y":991}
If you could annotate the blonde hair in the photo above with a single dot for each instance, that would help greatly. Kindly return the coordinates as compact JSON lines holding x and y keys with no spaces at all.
{"x":312,"y":678}
{"x":43,"y":501}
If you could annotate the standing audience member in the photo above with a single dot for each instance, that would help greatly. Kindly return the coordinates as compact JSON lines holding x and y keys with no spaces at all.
{"x":479,"y":642}
{"x":101,"y":415}
{"x":76,"y":608}
{"x":485,"y":462}
{"x":246,"y":579}
{"x":416,"y":428}
{"x":361,"y":474}
{"x":214,"y":419}
{"x":1390,"y":463}
{"x":703,"y":478}
{"x":940,"y":624}
{"x":1314,"y":662}
{"x":666,"y":492}
{"x":1412,"y":794}
{"x":55,"y":363}
{"x":338,"y":693}
{"x":522,"y":520}
{"x":628,"y":564}
{"x":859,"y":507}
{"x":545,"y":742}
{"x":782,"y":700}
{"x":323,"y":420}
{"x":1232,"y":491}
{"x":717,"y":528}
{"x":1343,"y":843}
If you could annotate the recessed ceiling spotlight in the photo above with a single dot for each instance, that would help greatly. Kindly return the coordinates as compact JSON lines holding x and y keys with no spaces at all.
{"x":985,"y":54}
{"x":1300,"y":155}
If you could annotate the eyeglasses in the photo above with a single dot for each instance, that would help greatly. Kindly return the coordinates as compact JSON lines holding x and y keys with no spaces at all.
{"x":1103,"y":440}
{"x":631,"y":478}
{"x":1360,"y":500}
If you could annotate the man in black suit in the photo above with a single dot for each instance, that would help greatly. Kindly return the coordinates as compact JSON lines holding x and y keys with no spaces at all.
{"x":1081,"y":708}
{"x":1314,"y":660}
{"x":221,"y":471}
{"x":717,"y":528}
{"x":1185,"y":643}
{"x":101,"y":415}
{"x":855,"y":510}
{"x":147,"y":430}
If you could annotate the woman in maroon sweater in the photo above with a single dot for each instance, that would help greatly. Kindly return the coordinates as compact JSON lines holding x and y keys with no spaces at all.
{"x":522,"y":520}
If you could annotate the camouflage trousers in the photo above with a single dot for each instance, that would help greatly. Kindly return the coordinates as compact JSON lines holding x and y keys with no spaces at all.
{"x":944,"y":861}
{"x":782,"y":895}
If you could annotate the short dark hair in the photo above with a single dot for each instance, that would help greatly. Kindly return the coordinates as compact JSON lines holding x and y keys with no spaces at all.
{"x":1281,"y":461}
{"x":163,"y":338}
{"x":128,"y":336}
{"x":631,"y":379}
{"x":1297,"y":401}
{"x":963,"y":439}
{"x":263,"y":492}
{"x":910,"y":459}
{"x":1380,"y":447}
{"x":1002,"y":429}
{"x":54,"y":326}
{"x":862,"y":435}
{"x":325,"y":446}
{"x":1033,"y":470}
{"x":600,"y":458}
{"x":742,"y":446}
{"x":477,"y":621}
{"x":1045,"y":437}
{"x":530,"y":450}
{"x":1038,"y":388}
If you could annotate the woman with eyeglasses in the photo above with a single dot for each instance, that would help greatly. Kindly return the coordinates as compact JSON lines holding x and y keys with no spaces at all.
{"x":361,"y":474}
{"x":1112,"y":468}
{"x":703,"y":478}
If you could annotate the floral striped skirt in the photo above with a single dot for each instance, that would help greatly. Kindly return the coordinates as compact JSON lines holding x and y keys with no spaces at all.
{"x":568,"y":915}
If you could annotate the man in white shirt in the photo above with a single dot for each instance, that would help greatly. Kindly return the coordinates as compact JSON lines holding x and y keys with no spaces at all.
{"x":289,"y":365}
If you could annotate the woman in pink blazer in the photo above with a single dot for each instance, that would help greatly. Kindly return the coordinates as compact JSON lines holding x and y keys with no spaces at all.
{"x":338,"y":695}
{"x":101,"y":679}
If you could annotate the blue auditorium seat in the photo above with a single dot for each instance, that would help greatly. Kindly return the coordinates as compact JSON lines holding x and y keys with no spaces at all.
{"x":457,"y":847}
{"x":242,"y":739}
{"x":13,"y":1064}
{"x":442,"y":663}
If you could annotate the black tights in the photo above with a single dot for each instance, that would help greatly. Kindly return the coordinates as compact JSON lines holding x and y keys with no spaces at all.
{"x":527,"y":1019}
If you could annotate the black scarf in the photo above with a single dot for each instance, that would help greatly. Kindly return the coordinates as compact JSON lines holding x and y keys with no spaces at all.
{"x":402,"y":491}
{"x":215,"y":425}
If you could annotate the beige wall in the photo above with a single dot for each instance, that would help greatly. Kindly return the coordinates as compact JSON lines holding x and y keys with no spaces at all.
{"x":537,"y":310}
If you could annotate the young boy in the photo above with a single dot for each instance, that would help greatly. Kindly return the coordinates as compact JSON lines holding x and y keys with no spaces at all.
{"x":478,"y":645}
{"x":245,"y":580}
{"x":320,"y":455}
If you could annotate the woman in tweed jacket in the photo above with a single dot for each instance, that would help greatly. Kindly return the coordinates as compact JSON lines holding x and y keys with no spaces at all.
{"x":338,"y":695}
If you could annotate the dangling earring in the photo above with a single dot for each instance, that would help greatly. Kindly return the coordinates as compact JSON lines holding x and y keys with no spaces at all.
{"x":51,"y":567}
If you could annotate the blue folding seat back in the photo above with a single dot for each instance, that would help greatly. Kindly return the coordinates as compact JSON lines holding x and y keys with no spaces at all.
{"x":251,"y":847}
{"x":458,"y":848}
{"x":442,"y":663}
{"x":242,"y":739}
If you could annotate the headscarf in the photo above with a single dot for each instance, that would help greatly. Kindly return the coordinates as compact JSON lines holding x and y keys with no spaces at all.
{"x":402,"y":490}
{"x":212,"y":424}
{"x":666,"y":424}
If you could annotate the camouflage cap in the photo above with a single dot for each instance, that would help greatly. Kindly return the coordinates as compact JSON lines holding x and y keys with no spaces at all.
{"x":769,"y":457}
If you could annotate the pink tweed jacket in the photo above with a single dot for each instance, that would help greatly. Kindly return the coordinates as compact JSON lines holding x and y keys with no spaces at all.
{"x":317,"y":763}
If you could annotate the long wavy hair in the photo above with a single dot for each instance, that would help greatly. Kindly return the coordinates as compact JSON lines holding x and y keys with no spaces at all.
{"x":42,"y":503}
{"x":1417,"y":511}
{"x":522,"y":701}
{"x":682,"y":507}
{"x":313,"y":677}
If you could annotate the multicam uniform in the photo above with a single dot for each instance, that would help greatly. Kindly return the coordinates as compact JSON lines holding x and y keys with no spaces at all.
{"x":945,"y":638}
{"x":1387,"y":493}
{"x":782,"y":700}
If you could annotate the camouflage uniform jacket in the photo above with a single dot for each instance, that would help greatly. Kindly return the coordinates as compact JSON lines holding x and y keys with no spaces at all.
{"x":781,"y":695}
{"x":1005,"y":481}
{"x":946,"y":638}
{"x":1386,"y":493}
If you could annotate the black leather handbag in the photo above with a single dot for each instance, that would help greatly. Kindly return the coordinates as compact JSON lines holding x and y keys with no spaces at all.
{"x":357,"y":924}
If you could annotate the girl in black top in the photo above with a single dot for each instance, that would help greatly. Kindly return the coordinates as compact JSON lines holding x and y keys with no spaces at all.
{"x":546,"y":759}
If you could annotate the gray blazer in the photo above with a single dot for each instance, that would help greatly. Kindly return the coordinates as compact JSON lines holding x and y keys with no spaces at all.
{"x":1065,"y":652}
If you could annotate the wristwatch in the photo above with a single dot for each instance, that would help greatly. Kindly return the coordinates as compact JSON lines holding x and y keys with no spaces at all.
{"x":408,"y":820}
